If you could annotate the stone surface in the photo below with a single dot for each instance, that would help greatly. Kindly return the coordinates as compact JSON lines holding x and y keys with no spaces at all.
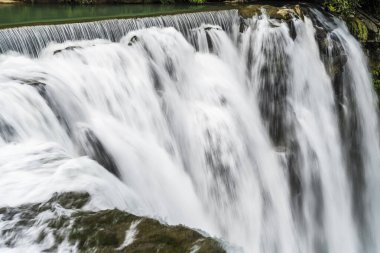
{"x":283,"y":13}
{"x":101,"y":231}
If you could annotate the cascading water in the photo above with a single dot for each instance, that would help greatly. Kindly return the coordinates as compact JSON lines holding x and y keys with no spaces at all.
{"x":266,"y":138}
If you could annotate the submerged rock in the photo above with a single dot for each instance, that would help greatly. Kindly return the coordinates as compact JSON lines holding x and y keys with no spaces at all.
{"x":91,"y":146}
{"x":133,"y":40}
{"x":71,"y":48}
{"x":101,"y":231}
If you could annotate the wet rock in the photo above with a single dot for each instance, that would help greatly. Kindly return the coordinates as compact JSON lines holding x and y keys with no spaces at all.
{"x":7,"y":132}
{"x":292,"y":29}
{"x":71,"y":48}
{"x":357,"y":28}
{"x":133,"y":40}
{"x":364,"y":27}
{"x":320,"y":33}
{"x":331,"y":50}
{"x":334,"y":58}
{"x":35,"y":83}
{"x":212,"y":27}
{"x":367,"y":30}
{"x":94,"y":148}
{"x":243,"y":25}
{"x":69,"y":200}
{"x":281,"y":13}
{"x":372,"y":50}
{"x":105,"y":231}
{"x":102,"y":231}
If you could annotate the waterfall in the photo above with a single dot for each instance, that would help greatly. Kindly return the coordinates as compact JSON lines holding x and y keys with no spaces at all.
{"x":260,"y":132}
{"x":31,"y":40}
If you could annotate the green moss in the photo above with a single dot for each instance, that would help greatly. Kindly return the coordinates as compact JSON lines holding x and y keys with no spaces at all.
{"x":104,"y":231}
{"x":282,"y":13}
{"x":357,"y":28}
{"x":376,"y":83}
{"x":70,"y":200}
{"x":99,"y":230}
{"x":197,"y":1}
{"x":59,"y":222}
{"x":344,"y":8}
{"x":376,"y":77}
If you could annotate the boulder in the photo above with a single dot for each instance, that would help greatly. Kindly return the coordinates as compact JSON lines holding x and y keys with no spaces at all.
{"x":281,"y":13}
{"x":65,"y":221}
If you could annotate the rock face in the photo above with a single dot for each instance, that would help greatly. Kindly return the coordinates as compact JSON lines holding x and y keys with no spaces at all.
{"x":283,"y":13}
{"x":373,"y":51}
{"x":367,"y":30}
{"x":364,"y":27}
{"x":357,"y":28}
{"x":102,"y":231}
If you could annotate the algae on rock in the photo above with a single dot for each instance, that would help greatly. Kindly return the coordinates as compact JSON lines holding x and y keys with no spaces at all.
{"x":357,"y":28}
{"x":100,"y":231}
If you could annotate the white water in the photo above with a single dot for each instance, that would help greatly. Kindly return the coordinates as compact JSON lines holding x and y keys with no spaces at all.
{"x":130,"y":235}
{"x":209,"y":133}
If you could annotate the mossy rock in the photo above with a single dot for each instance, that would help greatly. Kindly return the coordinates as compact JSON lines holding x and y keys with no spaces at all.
{"x":375,"y":71}
{"x":281,"y":13}
{"x":372,"y":50}
{"x":101,"y":231}
{"x":70,"y":200}
{"x":343,"y":8}
{"x":104,"y":231}
{"x":357,"y":28}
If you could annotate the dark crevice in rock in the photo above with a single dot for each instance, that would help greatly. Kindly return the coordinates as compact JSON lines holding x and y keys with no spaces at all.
{"x":95,"y":149}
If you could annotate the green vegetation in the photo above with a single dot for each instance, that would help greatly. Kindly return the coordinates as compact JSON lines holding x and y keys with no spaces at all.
{"x":376,"y":77}
{"x":105,"y":231}
{"x":365,"y":30}
{"x":197,"y":1}
{"x":282,"y":13}
{"x":102,"y":231}
{"x":357,"y":28}
{"x":347,"y":8}
{"x":12,"y":15}
{"x":342,"y":7}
